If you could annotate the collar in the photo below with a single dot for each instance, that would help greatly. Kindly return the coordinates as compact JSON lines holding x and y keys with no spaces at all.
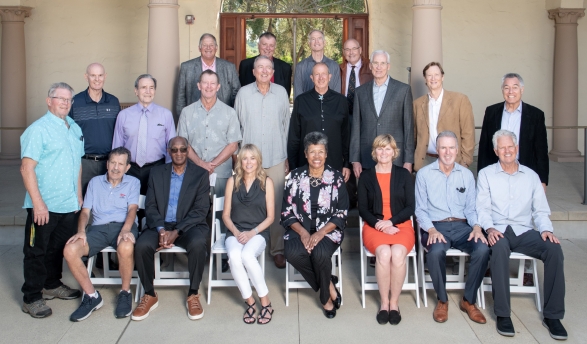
{"x":357,"y":65}
{"x":104,"y":179}
{"x":439,"y":100}
{"x":178,"y":175}
{"x":89,"y":100}
{"x":58,"y":120}
{"x":436,"y":166}
{"x":201,"y":105}
{"x":149,"y":108}
{"x":499,"y":169}
{"x":386,"y":83}
{"x":517,"y":110}
{"x":212,"y":66}
{"x":257,"y":88}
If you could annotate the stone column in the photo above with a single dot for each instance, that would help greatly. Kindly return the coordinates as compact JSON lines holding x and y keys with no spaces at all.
{"x":426,"y":41}
{"x":163,"y":50}
{"x":13,"y":79}
{"x":565,"y":84}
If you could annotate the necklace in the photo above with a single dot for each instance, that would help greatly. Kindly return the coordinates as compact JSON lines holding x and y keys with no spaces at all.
{"x":315,"y":182}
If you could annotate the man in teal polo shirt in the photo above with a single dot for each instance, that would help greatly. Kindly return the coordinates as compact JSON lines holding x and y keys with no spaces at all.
{"x":51,"y":151}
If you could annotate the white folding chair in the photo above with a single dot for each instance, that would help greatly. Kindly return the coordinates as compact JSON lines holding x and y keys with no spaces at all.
{"x":453,"y":282}
{"x":217,"y":248}
{"x":295,"y":280}
{"x":111,"y":277}
{"x":517,"y":283}
{"x":369,"y":282}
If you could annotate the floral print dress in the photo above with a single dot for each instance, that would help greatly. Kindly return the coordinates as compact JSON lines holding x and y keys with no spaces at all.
{"x":333,"y":202}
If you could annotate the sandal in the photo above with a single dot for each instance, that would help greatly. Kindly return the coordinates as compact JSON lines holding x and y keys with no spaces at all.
{"x":249,"y":316}
{"x":263,"y":314}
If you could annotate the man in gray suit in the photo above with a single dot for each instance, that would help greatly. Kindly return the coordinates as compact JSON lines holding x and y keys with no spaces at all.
{"x":189,"y":74}
{"x":381,"y":106}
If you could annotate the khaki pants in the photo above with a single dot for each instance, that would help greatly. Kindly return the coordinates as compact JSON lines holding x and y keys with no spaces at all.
{"x":276,"y":231}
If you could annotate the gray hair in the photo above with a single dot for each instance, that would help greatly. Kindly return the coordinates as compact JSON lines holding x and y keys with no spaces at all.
{"x":447,"y":133}
{"x":120,"y":151}
{"x":262,"y":57}
{"x":316,"y":30}
{"x":380,"y":52}
{"x":58,"y":85}
{"x":207,"y":35}
{"x":510,"y":76}
{"x":185,"y":140}
{"x":502,"y":133}
{"x":315,"y":138}
{"x":145,"y":76}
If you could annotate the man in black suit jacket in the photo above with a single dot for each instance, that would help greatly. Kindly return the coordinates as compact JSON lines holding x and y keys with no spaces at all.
{"x":525,"y":120}
{"x":282,"y":69}
{"x":178,"y":200}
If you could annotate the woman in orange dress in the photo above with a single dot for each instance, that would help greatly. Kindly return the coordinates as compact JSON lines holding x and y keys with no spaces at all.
{"x":386,"y":202}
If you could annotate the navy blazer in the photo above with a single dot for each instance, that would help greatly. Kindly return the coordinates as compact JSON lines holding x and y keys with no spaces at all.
{"x":532,"y":141}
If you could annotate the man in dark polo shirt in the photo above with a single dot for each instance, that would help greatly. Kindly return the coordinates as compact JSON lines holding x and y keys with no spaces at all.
{"x":95,"y":111}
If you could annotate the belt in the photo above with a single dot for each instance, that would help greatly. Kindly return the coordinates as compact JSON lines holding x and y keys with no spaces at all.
{"x":149,"y":163}
{"x":432,"y":155}
{"x":452,"y":219}
{"x":95,"y":157}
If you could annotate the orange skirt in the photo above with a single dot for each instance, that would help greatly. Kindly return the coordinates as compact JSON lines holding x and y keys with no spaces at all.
{"x":372,"y":238}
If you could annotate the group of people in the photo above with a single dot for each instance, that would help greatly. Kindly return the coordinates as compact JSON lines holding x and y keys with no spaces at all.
{"x":354,"y":135}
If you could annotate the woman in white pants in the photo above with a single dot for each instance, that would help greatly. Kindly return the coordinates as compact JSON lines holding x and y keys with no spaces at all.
{"x":248,"y":213}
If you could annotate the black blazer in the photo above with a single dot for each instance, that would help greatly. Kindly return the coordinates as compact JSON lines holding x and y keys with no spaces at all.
{"x":193,"y":203}
{"x":370,"y":199}
{"x":532,"y":141}
{"x":282,"y":73}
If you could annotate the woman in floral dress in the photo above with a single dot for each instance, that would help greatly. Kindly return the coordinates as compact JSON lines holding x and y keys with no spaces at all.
{"x":314,"y":211}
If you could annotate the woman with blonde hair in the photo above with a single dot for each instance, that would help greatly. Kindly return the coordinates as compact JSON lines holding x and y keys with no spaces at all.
{"x":248,"y":213}
{"x":386,"y":202}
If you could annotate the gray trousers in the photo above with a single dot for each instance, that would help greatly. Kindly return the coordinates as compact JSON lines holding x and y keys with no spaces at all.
{"x":531,"y":244}
{"x":276,"y":230}
{"x":90,"y":169}
{"x":456,"y":235}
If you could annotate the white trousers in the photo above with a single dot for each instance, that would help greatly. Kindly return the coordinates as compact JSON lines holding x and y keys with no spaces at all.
{"x":244,"y":265}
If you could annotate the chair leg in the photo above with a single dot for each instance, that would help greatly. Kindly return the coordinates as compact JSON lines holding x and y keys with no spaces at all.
{"x":417,"y":288}
{"x":340,"y":278}
{"x":535,"y":270}
{"x":423,"y":276}
{"x":286,"y":284}
{"x":363,"y":272}
{"x":210,"y":268}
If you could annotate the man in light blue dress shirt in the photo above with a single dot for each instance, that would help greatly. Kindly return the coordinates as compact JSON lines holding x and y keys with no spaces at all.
{"x":510,"y":203}
{"x":445,"y":208}
{"x":51,"y":151}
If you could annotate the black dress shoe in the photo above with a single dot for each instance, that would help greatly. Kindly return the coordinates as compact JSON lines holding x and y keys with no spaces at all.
{"x":505,"y":327}
{"x":225,"y":265}
{"x":338,"y":301}
{"x":382,"y":317}
{"x":555,"y":328}
{"x":329,"y":313}
{"x":394,"y":317}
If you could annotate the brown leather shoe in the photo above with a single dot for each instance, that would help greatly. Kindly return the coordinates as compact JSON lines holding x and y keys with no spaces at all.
{"x":279,"y":260}
{"x":473,"y":312}
{"x":441,"y":312}
{"x":147,"y":304}
{"x":195,"y":310}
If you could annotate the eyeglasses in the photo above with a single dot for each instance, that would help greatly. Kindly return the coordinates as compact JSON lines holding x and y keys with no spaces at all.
{"x":63,"y":100}
{"x":379,"y":64}
{"x":175,"y":150}
{"x":355,"y":49}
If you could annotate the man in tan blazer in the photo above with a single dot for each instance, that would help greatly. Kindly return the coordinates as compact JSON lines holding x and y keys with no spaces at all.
{"x":441,"y":110}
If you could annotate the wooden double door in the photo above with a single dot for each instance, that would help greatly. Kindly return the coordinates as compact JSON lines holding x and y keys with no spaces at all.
{"x":233,"y":31}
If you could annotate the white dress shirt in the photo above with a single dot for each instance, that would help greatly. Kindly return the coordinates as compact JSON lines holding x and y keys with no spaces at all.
{"x":511,"y":200}
{"x":349,"y":67}
{"x":433,"y":113}
{"x":511,"y":121}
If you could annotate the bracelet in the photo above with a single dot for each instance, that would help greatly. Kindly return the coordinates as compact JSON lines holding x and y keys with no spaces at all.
{"x":256,"y":230}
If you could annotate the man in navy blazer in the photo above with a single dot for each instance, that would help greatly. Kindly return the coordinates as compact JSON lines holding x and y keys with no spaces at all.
{"x":524,"y":120}
{"x":282,"y":69}
{"x":177,"y":203}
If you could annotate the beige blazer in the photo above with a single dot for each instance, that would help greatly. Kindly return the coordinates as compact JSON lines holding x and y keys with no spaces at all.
{"x":456,"y":115}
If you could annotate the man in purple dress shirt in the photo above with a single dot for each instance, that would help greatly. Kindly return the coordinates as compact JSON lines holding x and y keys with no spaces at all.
{"x":144,"y":129}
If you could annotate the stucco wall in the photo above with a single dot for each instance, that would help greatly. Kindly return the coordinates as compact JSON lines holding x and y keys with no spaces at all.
{"x":482,"y":40}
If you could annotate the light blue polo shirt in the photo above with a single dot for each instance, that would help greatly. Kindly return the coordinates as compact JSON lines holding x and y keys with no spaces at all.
{"x":57,"y":151}
{"x":110,"y":204}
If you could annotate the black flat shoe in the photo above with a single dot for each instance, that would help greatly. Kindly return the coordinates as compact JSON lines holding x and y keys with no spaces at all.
{"x":338,"y":300}
{"x":329,"y":313}
{"x":394,"y":317}
{"x":555,"y":328}
{"x":505,"y":327}
{"x":382,"y":317}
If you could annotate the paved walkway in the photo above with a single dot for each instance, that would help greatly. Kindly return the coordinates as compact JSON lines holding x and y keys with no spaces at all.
{"x":302,"y":321}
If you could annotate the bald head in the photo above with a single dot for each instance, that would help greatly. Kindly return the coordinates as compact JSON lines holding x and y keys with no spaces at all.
{"x":95,"y":76}
{"x":352,"y":51}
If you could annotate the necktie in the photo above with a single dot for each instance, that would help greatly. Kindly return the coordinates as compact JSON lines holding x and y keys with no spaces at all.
{"x":350,"y":95}
{"x":142,"y":140}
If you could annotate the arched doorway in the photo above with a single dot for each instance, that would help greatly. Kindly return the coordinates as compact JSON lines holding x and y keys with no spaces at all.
{"x":242,"y":21}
